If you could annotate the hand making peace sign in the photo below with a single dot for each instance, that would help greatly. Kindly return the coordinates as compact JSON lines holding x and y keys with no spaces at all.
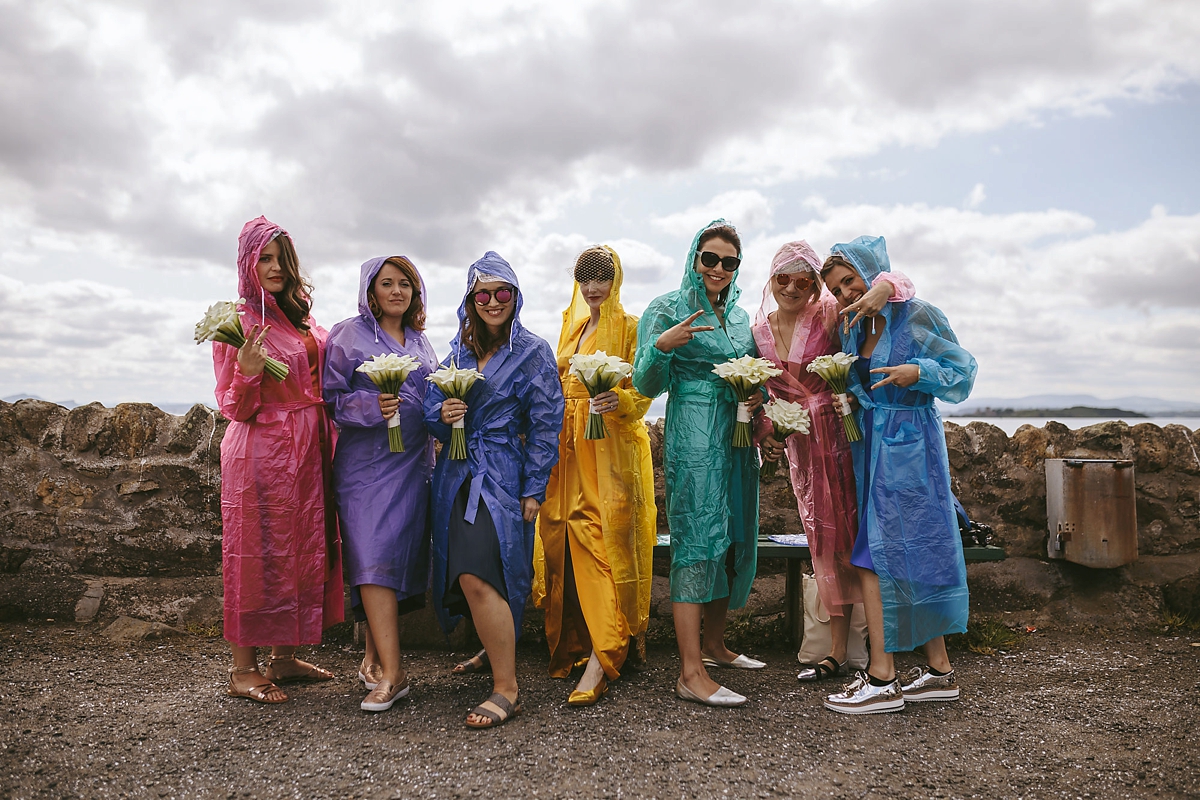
{"x":252,"y":356}
{"x":680,"y":334}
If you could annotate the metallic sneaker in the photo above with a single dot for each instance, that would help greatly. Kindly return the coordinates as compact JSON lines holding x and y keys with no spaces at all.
{"x":860,"y":697}
{"x":920,"y":685}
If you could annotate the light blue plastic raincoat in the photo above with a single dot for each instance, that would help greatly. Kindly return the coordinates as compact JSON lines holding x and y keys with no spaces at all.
{"x":901,"y":468}
{"x":711,"y":487}
{"x":520,"y":396}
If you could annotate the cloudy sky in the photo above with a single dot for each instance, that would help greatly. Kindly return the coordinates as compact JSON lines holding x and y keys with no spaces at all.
{"x":1034,"y":166}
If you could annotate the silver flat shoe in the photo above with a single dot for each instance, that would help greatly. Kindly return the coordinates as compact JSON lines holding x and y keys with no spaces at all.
{"x":741,"y":662}
{"x":921,"y":685}
{"x":721,"y":698}
{"x":861,"y":697}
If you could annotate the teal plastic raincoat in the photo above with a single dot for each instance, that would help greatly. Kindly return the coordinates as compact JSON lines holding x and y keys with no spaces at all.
{"x":711,"y":487}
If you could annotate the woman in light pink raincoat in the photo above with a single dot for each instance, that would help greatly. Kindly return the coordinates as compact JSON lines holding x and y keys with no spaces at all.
{"x":796,"y":323}
{"x":281,"y":553}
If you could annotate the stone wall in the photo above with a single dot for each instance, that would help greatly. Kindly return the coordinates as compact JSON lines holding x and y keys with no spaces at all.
{"x":117,"y":511}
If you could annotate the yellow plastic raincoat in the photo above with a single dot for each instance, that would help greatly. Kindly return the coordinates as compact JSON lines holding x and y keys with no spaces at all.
{"x":599,"y":505}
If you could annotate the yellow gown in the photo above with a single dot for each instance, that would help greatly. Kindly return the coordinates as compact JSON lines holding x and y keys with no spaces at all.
{"x":599,"y":507}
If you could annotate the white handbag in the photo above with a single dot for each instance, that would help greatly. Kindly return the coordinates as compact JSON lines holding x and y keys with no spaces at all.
{"x":818,"y":641}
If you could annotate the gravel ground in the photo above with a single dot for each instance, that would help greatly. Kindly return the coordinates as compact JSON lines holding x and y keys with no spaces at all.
{"x":1062,"y":715}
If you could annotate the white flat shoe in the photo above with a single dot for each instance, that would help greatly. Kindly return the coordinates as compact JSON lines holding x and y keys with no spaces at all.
{"x":741,"y":662}
{"x":721,"y":698}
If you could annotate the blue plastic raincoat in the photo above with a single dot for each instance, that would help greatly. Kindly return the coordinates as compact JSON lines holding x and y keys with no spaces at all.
{"x":902,"y":472}
{"x":382,"y":497}
{"x":520,"y":396}
{"x":711,"y":487}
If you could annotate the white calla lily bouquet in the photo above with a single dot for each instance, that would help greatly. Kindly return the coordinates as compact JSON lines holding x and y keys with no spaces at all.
{"x":388,"y":372}
{"x":223,"y":323}
{"x":746,"y":375}
{"x":455,"y":383}
{"x":835,"y":370}
{"x":598,"y":372}
{"x":788,"y":419}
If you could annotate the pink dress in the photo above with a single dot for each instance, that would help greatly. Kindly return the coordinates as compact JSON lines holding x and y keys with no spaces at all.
{"x":822,"y":469}
{"x":281,"y":552}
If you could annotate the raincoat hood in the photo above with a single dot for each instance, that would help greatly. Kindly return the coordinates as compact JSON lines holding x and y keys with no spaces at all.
{"x":367,"y":273}
{"x":490,"y":266}
{"x":693,"y":284}
{"x":610,"y":334}
{"x":257,"y":234}
{"x":791,"y":258}
{"x":868,"y":255}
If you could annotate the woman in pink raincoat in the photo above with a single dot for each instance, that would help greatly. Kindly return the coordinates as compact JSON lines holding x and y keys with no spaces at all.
{"x":796,"y":323}
{"x":281,"y":554}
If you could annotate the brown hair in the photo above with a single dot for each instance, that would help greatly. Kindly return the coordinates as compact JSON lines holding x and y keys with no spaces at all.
{"x":295,"y":299}
{"x":414,"y":317}
{"x":725,"y":233}
{"x":836,"y":260}
{"x":478,"y":336}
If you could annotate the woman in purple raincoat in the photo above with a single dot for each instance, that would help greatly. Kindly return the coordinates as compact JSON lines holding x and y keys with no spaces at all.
{"x":382,"y":497}
{"x":485,"y":506}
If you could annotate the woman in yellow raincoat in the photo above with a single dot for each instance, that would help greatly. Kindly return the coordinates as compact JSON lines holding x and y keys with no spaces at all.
{"x":596,"y":529}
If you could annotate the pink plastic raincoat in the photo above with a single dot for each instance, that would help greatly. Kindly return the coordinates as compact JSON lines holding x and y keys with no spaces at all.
{"x":281,"y":553}
{"x":822,"y":469}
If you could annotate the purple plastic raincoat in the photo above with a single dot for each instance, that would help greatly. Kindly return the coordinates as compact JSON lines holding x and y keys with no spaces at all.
{"x":382,"y":497}
{"x":520,"y":397}
{"x":822,"y":469}
{"x":281,"y":555}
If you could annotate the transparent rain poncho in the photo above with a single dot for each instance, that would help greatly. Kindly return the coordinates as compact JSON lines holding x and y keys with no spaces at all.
{"x":281,"y":553}
{"x":820,"y":464}
{"x":906,"y":509}
{"x":711,"y":487}
{"x":513,"y":420}
{"x":382,"y":497}
{"x":600,"y":501}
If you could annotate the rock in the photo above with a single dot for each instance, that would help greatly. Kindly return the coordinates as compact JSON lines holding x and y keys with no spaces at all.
{"x":1153,"y":448}
{"x":1106,"y":439}
{"x":38,"y":420}
{"x":89,"y":605}
{"x":196,"y":425}
{"x":83,"y":425}
{"x":128,"y":629}
{"x":136,"y":487}
{"x":129,"y":429}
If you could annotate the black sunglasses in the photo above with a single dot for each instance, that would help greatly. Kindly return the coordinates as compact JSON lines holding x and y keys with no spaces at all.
{"x":503,"y":295}
{"x":728,"y":263}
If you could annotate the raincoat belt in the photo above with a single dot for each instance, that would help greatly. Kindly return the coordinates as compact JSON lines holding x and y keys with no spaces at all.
{"x":898,"y":407}
{"x":294,"y":405}
{"x":477,"y":458}
{"x":712,"y":389}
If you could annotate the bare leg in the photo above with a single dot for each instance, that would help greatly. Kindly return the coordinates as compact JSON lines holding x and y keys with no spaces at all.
{"x":839,"y":631}
{"x":687,"y":634}
{"x":882,"y":666}
{"x":714,"y":647}
{"x":935,"y":654}
{"x":380,"y":604}
{"x":494,"y":623}
{"x":593,"y":672}
{"x":370,"y":653}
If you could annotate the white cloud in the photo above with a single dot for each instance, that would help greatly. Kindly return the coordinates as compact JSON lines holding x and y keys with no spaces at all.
{"x":975,"y":197}
{"x":747,"y":208}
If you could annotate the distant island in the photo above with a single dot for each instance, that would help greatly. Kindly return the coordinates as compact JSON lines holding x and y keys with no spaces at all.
{"x":1073,"y":411}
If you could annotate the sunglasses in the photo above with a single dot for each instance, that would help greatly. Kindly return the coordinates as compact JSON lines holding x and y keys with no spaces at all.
{"x":728,"y":263}
{"x":803,"y":282}
{"x":503,"y":295}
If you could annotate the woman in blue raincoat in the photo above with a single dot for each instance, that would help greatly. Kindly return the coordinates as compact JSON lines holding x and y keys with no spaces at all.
{"x":711,"y":487}
{"x":485,"y":506}
{"x":382,"y":497}
{"x":908,"y":548}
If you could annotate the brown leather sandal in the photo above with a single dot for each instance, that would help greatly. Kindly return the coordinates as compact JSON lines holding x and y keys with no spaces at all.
{"x":509,"y":710}
{"x":267,"y":692}
{"x":313,"y":673}
{"x":476,"y":663}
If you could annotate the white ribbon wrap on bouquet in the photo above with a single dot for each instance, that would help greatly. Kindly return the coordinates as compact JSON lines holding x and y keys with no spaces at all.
{"x":394,"y":420}
{"x":844,"y":403}
{"x":743,"y":412}
{"x":460,"y":424}
{"x":592,"y":406}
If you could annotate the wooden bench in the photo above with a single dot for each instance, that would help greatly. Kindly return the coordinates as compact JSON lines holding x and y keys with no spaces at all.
{"x":796,"y":555}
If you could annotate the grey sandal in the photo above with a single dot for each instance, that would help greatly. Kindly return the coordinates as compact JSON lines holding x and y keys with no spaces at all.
{"x":510,"y":710}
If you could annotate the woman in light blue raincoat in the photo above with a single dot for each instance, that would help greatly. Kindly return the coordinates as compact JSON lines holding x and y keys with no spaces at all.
{"x":908,"y":547}
{"x":711,"y":486}
{"x":484,"y":507}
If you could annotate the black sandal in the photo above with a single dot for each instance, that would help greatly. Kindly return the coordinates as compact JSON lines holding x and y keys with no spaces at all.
{"x":820,"y":671}
{"x":476,"y":663}
{"x":501,"y":702}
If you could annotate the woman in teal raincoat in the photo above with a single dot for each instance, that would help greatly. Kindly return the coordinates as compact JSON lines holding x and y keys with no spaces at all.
{"x":908,"y":549}
{"x":711,"y":487}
